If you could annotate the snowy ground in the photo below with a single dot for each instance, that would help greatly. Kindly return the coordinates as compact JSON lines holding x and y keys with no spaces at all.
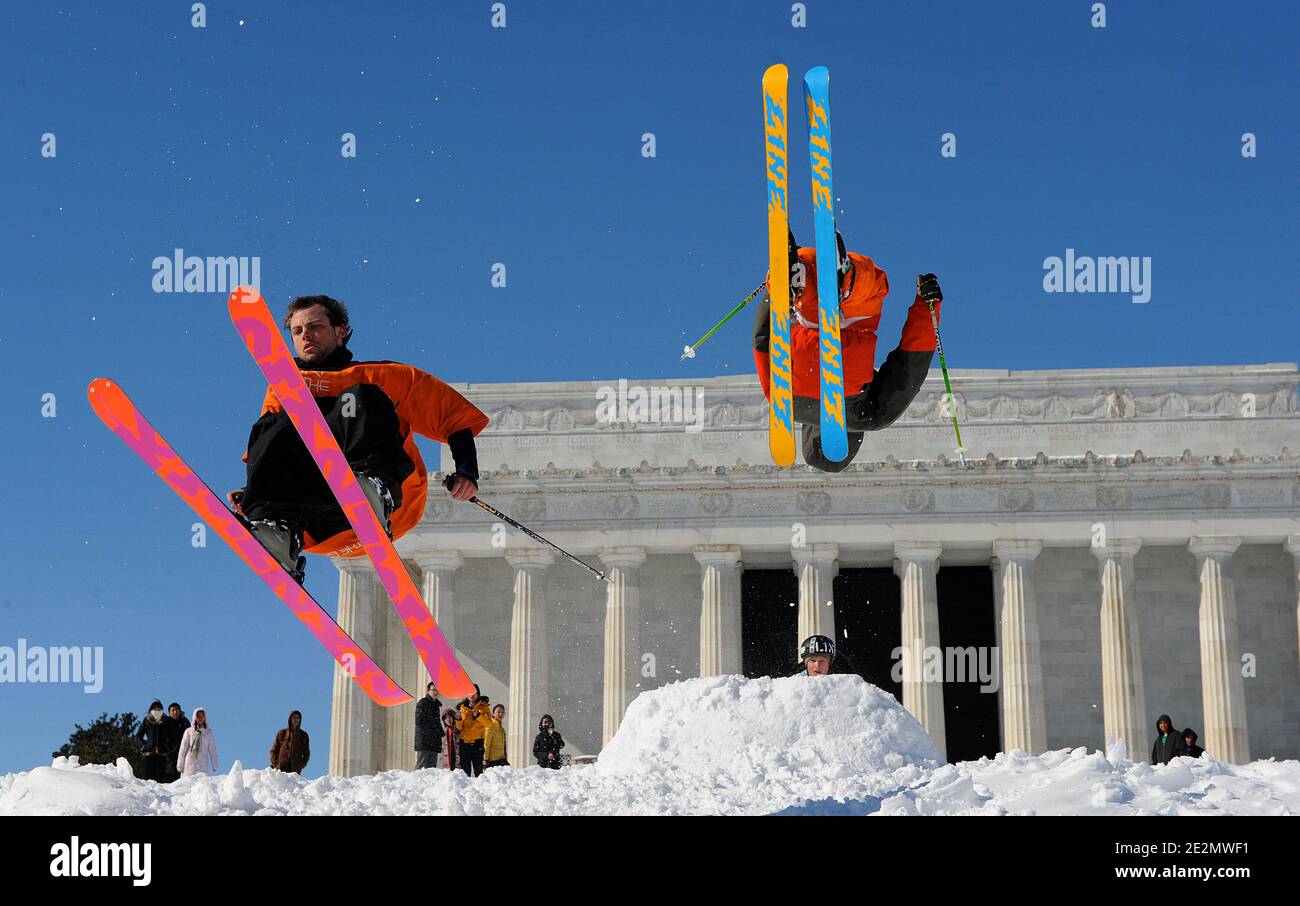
{"x":720,"y":745}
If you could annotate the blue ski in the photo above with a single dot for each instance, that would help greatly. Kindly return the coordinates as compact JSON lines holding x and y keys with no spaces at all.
{"x":834,"y":431}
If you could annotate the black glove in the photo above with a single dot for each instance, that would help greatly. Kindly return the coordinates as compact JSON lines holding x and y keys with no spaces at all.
{"x":927,"y":287}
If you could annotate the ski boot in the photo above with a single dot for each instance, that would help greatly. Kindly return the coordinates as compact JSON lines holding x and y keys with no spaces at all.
{"x":380,"y":499}
{"x":282,"y":541}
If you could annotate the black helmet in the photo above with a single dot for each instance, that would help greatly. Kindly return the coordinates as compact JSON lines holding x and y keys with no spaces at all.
{"x":817,"y":645}
{"x":842,"y":263}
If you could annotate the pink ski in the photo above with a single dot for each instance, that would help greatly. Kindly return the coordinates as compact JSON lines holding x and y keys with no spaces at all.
{"x":117,"y":411}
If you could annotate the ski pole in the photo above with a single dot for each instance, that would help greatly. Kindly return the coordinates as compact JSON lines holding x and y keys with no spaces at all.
{"x":943,"y":365}
{"x":530,"y":533}
{"x":689,"y":351}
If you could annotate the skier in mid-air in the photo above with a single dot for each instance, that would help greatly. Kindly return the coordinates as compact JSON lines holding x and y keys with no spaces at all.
{"x":873,"y":399}
{"x":373,"y":408}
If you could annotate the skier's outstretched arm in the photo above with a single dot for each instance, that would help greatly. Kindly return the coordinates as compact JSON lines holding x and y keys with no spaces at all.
{"x":438,"y":412}
{"x":464,"y":483}
{"x":899,"y":379}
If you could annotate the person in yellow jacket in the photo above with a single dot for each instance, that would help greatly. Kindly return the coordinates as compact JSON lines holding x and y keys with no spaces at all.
{"x":494,"y":740}
{"x":472,"y":722}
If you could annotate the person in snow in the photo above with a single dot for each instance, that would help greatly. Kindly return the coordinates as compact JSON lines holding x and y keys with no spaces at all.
{"x":153,"y":745}
{"x":819,"y":657}
{"x":472,"y":722}
{"x":428,"y":729}
{"x":1190,"y":748}
{"x":494,"y":740}
{"x":174,"y":726}
{"x":452,"y":739}
{"x":374,"y":409}
{"x":1169,"y":743}
{"x":198,"y":752}
{"x":873,"y":399}
{"x":292,"y":747}
{"x":547,"y":745}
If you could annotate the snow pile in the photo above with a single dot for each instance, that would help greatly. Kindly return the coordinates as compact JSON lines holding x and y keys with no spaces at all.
{"x":1079,"y":782}
{"x":718,"y":745}
{"x":797,"y":737}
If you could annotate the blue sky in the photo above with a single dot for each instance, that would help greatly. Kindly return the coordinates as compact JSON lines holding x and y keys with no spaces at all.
{"x":522,"y":146}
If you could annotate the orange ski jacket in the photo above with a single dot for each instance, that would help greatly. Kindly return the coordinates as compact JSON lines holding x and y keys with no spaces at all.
{"x":425,"y":405}
{"x":859,"y":319}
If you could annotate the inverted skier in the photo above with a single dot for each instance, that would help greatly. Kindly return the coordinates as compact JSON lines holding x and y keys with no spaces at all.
{"x":373,"y":409}
{"x":873,"y":398}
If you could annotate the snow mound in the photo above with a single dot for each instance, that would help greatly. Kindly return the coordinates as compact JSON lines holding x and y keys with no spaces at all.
{"x":761,"y":730}
{"x":719,"y":745}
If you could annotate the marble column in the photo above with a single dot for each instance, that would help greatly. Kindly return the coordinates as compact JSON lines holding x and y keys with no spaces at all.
{"x":1123,"y":693}
{"x":1024,"y":716}
{"x":529,"y":648}
{"x":719,"y":609}
{"x":438,"y":585}
{"x":622,"y":634}
{"x":356,"y":722}
{"x":404,"y":665}
{"x":816,"y":565}
{"x":916,"y":565}
{"x":1293,"y":548}
{"x":1223,"y":694}
{"x":995,"y":565}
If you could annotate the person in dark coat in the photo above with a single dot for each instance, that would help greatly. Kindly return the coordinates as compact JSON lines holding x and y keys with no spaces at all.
{"x":292,"y":748}
{"x":150,"y":737}
{"x":428,"y":729}
{"x":174,"y":726}
{"x":546,"y":748}
{"x":1169,"y":743}
{"x":1190,"y":748}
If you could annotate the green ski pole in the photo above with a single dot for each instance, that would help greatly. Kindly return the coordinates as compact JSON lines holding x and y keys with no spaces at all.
{"x":943,"y":365}
{"x":688,"y":352}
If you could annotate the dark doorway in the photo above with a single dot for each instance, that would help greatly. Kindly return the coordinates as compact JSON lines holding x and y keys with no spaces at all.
{"x":966,"y":622}
{"x":769,"y":617}
{"x":868,"y":624}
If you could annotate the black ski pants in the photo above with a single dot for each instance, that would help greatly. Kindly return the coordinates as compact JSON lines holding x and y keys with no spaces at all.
{"x":887,"y":397}
{"x":471,"y":757}
{"x":284,"y":481}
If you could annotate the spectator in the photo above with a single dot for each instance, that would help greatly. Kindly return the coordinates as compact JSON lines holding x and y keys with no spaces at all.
{"x":1168,"y":743}
{"x":448,"y":757}
{"x":292,"y":748}
{"x":428,"y":729}
{"x":1190,"y":748}
{"x":546,"y":748}
{"x":494,"y":740}
{"x":198,"y":751}
{"x":174,"y":726}
{"x":818,"y":656}
{"x":472,"y":722}
{"x":152,"y":744}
